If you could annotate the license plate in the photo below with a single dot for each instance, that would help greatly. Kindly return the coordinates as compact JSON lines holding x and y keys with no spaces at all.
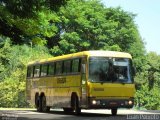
{"x":113,"y":103}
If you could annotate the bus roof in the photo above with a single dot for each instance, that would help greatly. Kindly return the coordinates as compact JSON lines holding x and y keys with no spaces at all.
{"x":108,"y":54}
{"x":98,"y":53}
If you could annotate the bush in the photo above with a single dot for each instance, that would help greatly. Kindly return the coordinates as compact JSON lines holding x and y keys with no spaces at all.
{"x":148,"y":99}
{"x":13,"y":61}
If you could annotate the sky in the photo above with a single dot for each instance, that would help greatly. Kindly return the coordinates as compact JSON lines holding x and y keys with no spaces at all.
{"x":147,"y":19}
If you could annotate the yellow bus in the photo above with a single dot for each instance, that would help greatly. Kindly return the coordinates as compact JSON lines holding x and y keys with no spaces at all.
{"x":83,"y":80}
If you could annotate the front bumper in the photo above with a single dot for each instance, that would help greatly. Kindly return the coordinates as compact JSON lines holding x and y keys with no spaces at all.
{"x":97,"y":103}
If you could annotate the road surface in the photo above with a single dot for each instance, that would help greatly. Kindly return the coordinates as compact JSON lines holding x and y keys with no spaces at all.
{"x":58,"y":114}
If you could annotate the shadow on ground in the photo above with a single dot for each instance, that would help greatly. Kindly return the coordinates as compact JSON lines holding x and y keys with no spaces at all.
{"x":60,"y":115}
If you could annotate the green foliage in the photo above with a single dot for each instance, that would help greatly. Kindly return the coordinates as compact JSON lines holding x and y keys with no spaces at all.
{"x":13,"y":60}
{"x":148,"y":82}
{"x":33,"y":30}
{"x":25,"y":21}
{"x":28,"y":8}
{"x":4,"y":57}
{"x":77,"y":26}
{"x":148,"y":99}
{"x":88,"y":25}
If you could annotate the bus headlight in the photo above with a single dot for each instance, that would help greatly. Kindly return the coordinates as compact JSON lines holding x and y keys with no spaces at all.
{"x":130,"y":102}
{"x":94,"y":102}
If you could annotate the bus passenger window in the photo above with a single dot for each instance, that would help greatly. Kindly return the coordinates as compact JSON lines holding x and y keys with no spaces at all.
{"x":44,"y":69}
{"x":59,"y":68}
{"x":30,"y":71}
{"x":75,"y":65}
{"x":36,"y":71}
{"x":67,"y":67}
{"x":51,"y":69}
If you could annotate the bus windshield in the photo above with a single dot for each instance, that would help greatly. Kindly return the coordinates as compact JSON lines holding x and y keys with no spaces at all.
{"x":103,"y":69}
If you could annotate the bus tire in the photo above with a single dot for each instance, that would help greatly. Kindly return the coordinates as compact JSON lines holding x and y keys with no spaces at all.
{"x":45,"y":108}
{"x":38,"y":104}
{"x":77,"y":109}
{"x":36,"y":100}
{"x":114,"y":111}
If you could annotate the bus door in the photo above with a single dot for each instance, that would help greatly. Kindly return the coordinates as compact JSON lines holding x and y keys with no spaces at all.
{"x":84,"y":100}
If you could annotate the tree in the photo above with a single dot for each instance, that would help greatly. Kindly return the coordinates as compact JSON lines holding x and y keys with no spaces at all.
{"x":28,"y":8}
{"x":153,"y":62}
{"x":13,"y":62}
{"x":89,"y":25}
{"x":79,"y":25}
{"x":148,"y":81}
{"x":28,"y":20}
{"x":151,"y":99}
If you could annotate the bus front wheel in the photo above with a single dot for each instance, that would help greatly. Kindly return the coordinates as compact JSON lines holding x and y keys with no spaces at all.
{"x":114,"y":111}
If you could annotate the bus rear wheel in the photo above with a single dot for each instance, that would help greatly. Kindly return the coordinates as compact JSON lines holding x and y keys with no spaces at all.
{"x":38,"y":104}
{"x":45,"y":108}
{"x":77,"y":109}
{"x":114,"y":111}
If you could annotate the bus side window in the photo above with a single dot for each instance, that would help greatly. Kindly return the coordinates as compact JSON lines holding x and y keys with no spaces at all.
{"x":30,"y":71}
{"x":51,"y":69}
{"x":79,"y":67}
{"x":59,"y":68}
{"x":44,"y":68}
{"x":37,"y":71}
{"x":75,"y":65}
{"x":67,"y":67}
